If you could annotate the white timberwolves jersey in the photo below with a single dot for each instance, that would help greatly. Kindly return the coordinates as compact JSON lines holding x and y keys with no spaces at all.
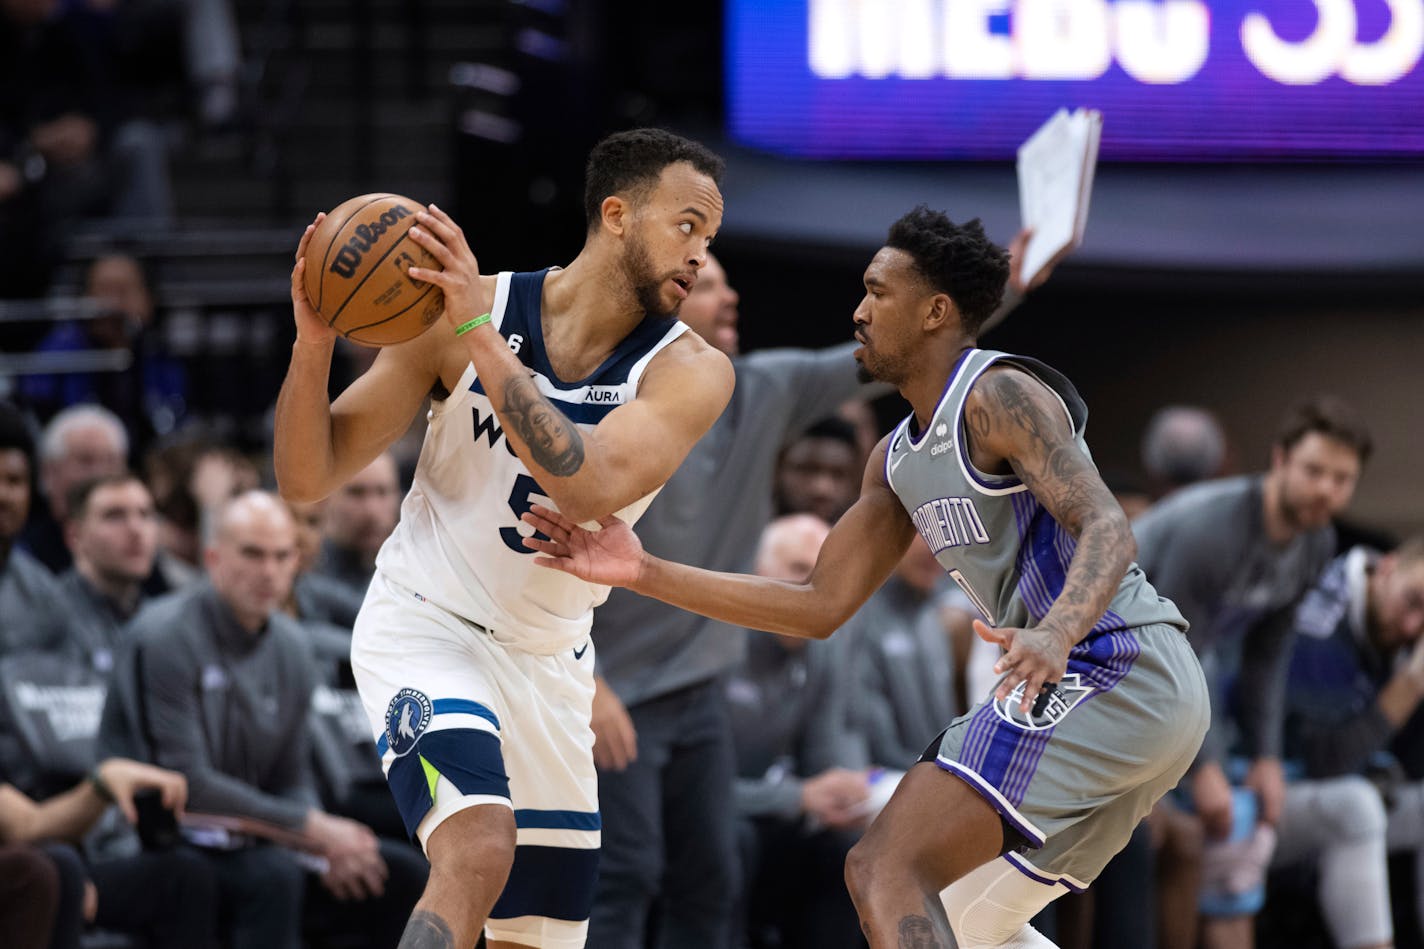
{"x":458,"y":544}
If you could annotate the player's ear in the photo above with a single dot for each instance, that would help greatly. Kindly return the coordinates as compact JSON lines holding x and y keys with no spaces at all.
{"x":940,"y":312}
{"x":615,"y":213}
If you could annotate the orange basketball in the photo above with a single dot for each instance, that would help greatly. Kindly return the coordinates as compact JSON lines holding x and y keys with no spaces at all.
{"x":357,"y":274}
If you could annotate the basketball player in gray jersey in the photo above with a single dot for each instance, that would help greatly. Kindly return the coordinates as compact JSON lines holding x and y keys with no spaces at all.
{"x":1101,"y":706}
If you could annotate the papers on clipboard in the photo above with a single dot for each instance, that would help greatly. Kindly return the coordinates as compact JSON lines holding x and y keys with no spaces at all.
{"x":1055,"y":172}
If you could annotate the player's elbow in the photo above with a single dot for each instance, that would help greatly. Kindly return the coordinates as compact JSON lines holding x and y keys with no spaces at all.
{"x":300,"y":488}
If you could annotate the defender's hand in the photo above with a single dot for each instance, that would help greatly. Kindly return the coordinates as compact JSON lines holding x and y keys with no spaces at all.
{"x":1032,"y":656}
{"x":311,"y":328}
{"x":460,"y":278}
{"x":612,"y":555}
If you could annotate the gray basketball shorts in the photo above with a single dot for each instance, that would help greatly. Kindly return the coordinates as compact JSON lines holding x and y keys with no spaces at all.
{"x":1076,"y":776}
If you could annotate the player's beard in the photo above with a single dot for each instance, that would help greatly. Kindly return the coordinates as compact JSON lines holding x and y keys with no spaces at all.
{"x":647,"y":285}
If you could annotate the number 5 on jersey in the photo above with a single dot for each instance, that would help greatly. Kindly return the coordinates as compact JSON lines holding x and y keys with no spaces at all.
{"x":520,"y":500}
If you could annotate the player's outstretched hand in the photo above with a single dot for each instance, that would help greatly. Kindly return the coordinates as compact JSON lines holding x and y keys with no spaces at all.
{"x":460,"y":279}
{"x":311,"y":328}
{"x":612,"y":555}
{"x":1032,"y":656}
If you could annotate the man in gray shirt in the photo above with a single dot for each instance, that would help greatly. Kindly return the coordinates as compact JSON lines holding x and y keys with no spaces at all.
{"x":1236,"y":555}
{"x":226,"y":683}
{"x":113,"y":534}
{"x":31,"y":611}
{"x":663,"y":747}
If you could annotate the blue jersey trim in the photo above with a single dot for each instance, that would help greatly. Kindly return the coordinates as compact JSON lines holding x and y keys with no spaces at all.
{"x":558,"y":820}
{"x":523,"y":314}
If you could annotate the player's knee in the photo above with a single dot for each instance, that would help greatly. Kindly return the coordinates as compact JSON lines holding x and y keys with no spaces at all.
{"x":1353,"y":810}
{"x":475,"y":843}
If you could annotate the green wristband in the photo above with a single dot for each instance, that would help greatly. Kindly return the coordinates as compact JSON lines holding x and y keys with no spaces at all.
{"x":480,"y":320}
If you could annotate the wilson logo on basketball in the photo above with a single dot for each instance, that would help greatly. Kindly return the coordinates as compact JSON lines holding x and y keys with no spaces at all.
{"x":349,"y":257}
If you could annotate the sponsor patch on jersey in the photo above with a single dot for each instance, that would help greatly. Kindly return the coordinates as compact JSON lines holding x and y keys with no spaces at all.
{"x":1054,"y":703}
{"x":406,"y":718}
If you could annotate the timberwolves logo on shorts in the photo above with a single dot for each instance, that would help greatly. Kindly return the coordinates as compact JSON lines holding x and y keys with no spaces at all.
{"x":1053,"y":705}
{"x":406,"y":718}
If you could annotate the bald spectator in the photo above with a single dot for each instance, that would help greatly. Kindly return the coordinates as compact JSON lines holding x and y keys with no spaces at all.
{"x":113,"y":535}
{"x":79,"y":444}
{"x":359,"y":518}
{"x":30,"y":598}
{"x":220,"y":659}
{"x":803,"y":787}
{"x":1183,"y":444}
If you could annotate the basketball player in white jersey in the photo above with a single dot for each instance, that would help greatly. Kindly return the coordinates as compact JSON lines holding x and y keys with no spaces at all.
{"x":572,"y":387}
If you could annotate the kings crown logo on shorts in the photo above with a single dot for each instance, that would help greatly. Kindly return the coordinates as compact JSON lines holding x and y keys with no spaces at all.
{"x":1054,"y":703}
{"x":406,"y":718}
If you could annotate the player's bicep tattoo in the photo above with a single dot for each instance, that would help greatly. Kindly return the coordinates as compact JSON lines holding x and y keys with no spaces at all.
{"x":1044,"y":454}
{"x":554,"y":441}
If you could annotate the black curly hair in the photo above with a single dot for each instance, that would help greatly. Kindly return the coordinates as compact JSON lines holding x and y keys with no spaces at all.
{"x":629,"y":163}
{"x":15,"y":434}
{"x":957,"y":259}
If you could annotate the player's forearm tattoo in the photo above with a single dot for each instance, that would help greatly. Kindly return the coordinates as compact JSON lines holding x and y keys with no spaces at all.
{"x":554,"y":442}
{"x":426,"y":931}
{"x":916,"y":932}
{"x":1060,"y":476}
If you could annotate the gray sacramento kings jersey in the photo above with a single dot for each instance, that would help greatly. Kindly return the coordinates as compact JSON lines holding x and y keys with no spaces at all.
{"x":1003,"y":548}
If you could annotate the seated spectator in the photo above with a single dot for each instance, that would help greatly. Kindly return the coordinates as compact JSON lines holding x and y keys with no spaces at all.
{"x":30,"y":598}
{"x":79,"y":444}
{"x":359,"y":518}
{"x":150,"y":396}
{"x":818,"y":472}
{"x":113,"y":535}
{"x":219,"y":659}
{"x":802,"y":792}
{"x":1356,"y":677}
{"x":167,"y":898}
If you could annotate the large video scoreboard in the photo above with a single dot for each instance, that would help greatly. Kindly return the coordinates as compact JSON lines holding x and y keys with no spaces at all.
{"x":1177,"y":80}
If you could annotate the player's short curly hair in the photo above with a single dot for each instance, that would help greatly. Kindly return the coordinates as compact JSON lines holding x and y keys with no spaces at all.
{"x":630,"y":163}
{"x":957,"y":259}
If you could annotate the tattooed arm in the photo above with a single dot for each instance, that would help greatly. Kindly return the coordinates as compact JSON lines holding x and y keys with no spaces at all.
{"x":591,"y":473}
{"x":1016,"y":424}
